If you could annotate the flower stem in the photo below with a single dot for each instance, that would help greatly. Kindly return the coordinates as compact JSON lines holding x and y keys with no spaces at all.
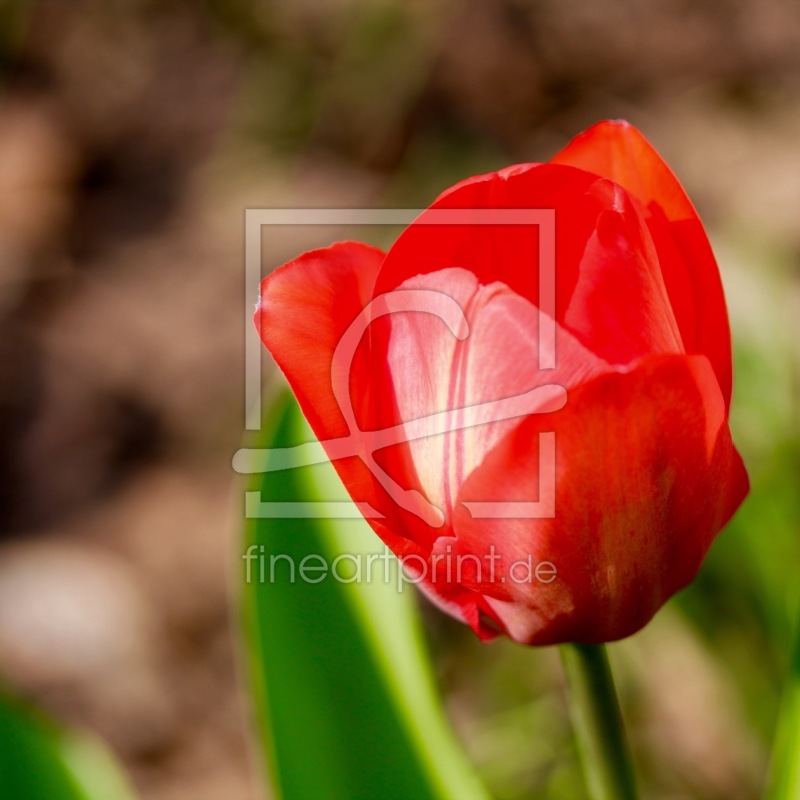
{"x":598,"y":723}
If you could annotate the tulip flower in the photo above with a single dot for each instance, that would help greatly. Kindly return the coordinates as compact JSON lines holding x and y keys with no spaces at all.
{"x":441,"y":379}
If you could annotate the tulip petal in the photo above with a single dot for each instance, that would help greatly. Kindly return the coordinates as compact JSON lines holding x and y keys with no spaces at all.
{"x":305,"y":310}
{"x":507,"y":253}
{"x":619,"y":152}
{"x":646,"y":476}
{"x":434,"y":372}
{"x":609,"y":290}
{"x":619,"y":307}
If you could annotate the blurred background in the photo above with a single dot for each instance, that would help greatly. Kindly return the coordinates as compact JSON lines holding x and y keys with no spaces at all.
{"x":134,"y":134}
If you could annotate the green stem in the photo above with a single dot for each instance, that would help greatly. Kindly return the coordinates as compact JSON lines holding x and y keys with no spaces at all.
{"x":598,"y":723}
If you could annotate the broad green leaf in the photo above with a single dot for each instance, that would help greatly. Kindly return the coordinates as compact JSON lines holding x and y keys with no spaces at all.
{"x":40,"y":761}
{"x":343,"y":692}
{"x":785,"y":777}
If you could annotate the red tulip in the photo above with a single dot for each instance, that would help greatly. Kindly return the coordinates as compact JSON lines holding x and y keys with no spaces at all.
{"x":645,"y":472}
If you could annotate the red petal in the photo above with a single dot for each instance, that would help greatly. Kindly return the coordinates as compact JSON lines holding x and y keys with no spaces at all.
{"x":618,"y":151}
{"x":305,"y":309}
{"x":497,"y":358}
{"x":646,"y":475}
{"x":619,"y":308}
{"x":506,"y":253}
{"x":608,"y":284}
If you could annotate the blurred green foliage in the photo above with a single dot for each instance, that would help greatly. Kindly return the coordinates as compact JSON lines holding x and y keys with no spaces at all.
{"x":41,"y":761}
{"x":341,"y":687}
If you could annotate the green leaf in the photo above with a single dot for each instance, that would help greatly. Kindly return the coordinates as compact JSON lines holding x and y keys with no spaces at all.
{"x":785,"y":777}
{"x":343,"y":691}
{"x":40,"y":761}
